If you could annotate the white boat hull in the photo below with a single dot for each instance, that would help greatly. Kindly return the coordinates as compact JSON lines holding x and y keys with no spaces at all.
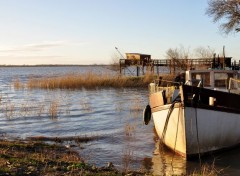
{"x":191,"y":131}
{"x":174,"y":136}
{"x":211,"y":130}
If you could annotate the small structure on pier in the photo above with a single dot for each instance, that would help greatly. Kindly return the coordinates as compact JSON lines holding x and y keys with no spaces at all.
{"x":138,"y":59}
{"x":135,"y":59}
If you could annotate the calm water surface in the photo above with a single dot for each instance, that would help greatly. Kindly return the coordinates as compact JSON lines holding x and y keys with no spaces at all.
{"x":114,"y":116}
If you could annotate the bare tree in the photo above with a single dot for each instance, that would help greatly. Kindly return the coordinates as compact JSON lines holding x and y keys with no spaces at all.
{"x":178,"y":53}
{"x":179,"y":58}
{"x":227,"y":10}
{"x":114,"y":63}
{"x":204,"y":52}
{"x":172,"y":54}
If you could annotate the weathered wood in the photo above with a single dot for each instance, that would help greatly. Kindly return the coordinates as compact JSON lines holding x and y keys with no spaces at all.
{"x":179,"y":64}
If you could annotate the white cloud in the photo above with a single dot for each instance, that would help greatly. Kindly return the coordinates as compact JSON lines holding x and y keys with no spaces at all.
{"x":44,"y":45}
{"x":28,"y":60}
{"x":32,"y":47}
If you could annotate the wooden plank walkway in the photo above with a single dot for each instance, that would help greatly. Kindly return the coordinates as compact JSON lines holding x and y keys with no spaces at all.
{"x":165,"y":62}
{"x":178,"y":64}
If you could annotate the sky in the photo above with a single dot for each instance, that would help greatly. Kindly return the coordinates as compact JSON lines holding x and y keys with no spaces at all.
{"x":87,"y":31}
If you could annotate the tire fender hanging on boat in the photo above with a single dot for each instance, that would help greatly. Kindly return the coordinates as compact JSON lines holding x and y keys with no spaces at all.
{"x":147,"y":113}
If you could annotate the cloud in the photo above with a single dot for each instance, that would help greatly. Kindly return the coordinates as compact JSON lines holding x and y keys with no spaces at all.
{"x":35,"y":47}
{"x":33,"y":60}
{"x":44,"y":45}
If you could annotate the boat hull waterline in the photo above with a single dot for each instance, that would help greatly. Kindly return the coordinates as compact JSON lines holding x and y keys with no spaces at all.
{"x":191,"y":131}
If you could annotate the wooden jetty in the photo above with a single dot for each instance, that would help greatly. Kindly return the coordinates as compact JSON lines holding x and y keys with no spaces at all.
{"x":142,"y":61}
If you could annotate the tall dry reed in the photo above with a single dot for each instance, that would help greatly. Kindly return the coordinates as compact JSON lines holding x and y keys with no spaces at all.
{"x":127,"y":159}
{"x":18,"y":84}
{"x":54,"y":109}
{"x":89,"y":80}
{"x":208,"y":170}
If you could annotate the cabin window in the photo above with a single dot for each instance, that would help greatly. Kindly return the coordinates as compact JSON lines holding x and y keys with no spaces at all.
{"x":235,"y":83}
{"x":197,"y":77}
{"x":222,"y":79}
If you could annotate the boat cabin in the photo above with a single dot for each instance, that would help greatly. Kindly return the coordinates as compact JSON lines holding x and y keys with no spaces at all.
{"x":213,"y":79}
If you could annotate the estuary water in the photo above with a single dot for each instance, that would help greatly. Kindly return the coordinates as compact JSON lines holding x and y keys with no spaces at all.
{"x":111,"y":117}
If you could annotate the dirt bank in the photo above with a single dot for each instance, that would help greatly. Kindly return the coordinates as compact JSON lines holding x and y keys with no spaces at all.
{"x":37,"y":158}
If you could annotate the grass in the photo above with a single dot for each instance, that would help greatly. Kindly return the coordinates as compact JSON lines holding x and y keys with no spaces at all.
{"x":18,"y":84}
{"x":127,"y":159}
{"x":208,"y":170}
{"x":12,"y":109}
{"x":37,"y":158}
{"x":89,"y":80}
{"x":9,"y":109}
{"x":54,"y":109}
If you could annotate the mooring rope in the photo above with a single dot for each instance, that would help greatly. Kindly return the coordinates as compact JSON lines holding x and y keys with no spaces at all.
{"x":176,"y":135}
{"x":167,"y":120}
{"x":195,"y":108}
{"x":199,"y":155}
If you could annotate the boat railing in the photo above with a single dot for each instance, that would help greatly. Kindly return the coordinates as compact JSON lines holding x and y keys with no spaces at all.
{"x":234,"y":86}
{"x":196,"y":82}
{"x":169,"y":89}
{"x":160,"y":85}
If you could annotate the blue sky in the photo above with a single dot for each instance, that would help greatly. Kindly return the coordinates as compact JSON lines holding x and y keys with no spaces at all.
{"x":87,"y":31}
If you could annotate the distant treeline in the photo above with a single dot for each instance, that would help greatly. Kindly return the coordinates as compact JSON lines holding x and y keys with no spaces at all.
{"x":52,"y":65}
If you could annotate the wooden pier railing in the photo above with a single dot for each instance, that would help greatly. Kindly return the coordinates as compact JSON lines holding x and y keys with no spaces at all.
{"x":177,"y":64}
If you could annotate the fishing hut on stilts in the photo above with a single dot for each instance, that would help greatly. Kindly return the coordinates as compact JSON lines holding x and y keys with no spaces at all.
{"x":137,"y":60}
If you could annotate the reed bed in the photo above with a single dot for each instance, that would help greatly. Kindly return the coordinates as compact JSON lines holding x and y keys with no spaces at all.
{"x":18,"y":84}
{"x":127,"y":159}
{"x":89,"y":80}
{"x":51,"y":106}
{"x":208,"y":170}
{"x":54,"y":109}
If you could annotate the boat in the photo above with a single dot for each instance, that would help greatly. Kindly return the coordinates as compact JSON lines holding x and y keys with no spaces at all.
{"x":197,"y":114}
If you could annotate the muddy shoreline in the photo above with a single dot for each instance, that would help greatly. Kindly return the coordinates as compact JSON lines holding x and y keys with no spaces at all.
{"x":35,"y":157}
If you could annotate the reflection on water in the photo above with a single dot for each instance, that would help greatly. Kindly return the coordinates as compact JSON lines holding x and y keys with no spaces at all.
{"x":113,"y":115}
{"x":165,"y":161}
